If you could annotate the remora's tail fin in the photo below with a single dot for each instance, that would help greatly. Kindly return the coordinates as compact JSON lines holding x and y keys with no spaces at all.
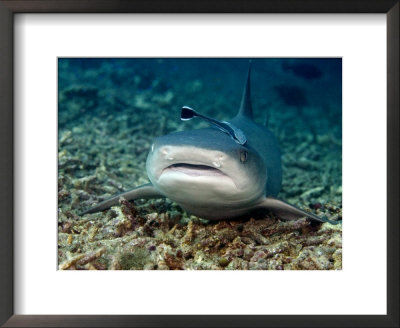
{"x":245,"y":106}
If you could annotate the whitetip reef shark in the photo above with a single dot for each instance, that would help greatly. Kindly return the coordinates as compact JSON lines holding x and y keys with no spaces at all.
{"x":225,"y":171}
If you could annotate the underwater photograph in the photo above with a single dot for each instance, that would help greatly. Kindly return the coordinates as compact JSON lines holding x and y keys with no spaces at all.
{"x":199,"y":164}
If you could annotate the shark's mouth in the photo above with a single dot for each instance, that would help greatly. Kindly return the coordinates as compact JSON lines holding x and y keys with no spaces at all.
{"x":194,"y":170}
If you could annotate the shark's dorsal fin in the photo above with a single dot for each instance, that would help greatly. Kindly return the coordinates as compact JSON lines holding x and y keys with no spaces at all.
{"x":245,"y":106}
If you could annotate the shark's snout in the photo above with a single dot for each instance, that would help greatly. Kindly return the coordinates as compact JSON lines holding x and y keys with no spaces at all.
{"x":194,"y":162}
{"x":186,"y":155}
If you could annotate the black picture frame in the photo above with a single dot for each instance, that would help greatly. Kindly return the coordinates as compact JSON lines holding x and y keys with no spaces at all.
{"x":7,"y":201}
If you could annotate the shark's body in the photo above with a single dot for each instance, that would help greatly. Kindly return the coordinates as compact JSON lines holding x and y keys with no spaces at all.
{"x":213,"y":176}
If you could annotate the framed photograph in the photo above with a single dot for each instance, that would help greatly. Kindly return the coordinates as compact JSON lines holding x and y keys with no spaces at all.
{"x":203,"y":164}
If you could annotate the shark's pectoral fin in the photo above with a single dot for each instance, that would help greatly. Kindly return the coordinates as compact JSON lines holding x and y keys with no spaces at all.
{"x":286,"y":211}
{"x":144,"y":191}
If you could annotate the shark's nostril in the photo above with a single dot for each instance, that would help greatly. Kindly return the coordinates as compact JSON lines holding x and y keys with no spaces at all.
{"x":165,"y":150}
{"x":216,"y":164}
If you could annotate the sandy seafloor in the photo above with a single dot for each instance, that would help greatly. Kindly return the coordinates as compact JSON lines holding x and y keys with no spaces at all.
{"x":110,"y":110}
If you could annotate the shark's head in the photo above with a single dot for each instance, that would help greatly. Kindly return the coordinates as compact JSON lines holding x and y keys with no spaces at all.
{"x":206,"y":167}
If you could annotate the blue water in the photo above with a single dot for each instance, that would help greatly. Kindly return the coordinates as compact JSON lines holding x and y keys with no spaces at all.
{"x":278,"y":84}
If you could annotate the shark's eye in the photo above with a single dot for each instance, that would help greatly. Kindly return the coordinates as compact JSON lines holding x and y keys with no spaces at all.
{"x":243,"y":156}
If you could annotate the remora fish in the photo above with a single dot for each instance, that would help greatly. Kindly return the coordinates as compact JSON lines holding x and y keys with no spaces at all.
{"x":225,"y":171}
